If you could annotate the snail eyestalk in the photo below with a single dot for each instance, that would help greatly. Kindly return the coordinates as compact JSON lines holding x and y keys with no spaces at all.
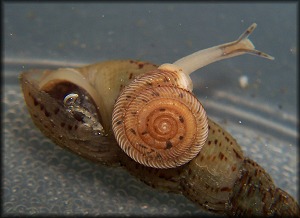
{"x":204,"y":57}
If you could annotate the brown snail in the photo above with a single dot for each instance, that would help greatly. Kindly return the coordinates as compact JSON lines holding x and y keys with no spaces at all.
{"x":146,"y":119}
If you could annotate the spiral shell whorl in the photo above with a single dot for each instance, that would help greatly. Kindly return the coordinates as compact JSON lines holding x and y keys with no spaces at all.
{"x":158,"y":123}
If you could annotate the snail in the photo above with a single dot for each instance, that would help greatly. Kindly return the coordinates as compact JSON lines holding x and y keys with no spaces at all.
{"x":145,"y":118}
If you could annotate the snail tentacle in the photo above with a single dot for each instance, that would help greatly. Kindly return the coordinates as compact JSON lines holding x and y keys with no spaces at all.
{"x":199,"y":59}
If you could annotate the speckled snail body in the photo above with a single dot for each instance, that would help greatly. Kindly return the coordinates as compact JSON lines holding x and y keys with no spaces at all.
{"x":145,"y":118}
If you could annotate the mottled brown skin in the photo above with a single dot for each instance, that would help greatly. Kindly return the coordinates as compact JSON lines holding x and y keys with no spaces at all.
{"x":219,"y":179}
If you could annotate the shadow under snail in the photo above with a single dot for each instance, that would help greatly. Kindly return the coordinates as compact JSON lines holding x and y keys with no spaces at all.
{"x":145,"y":118}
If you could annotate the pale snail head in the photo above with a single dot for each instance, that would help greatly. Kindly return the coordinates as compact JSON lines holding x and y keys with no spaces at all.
{"x":156,"y":119}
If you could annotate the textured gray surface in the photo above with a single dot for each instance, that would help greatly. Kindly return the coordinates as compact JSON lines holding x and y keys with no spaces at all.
{"x":39,"y":177}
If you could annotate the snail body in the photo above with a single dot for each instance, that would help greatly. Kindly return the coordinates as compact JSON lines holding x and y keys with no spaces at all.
{"x":145,"y":118}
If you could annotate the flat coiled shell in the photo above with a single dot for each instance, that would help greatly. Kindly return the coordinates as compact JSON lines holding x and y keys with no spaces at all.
{"x":158,"y":123}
